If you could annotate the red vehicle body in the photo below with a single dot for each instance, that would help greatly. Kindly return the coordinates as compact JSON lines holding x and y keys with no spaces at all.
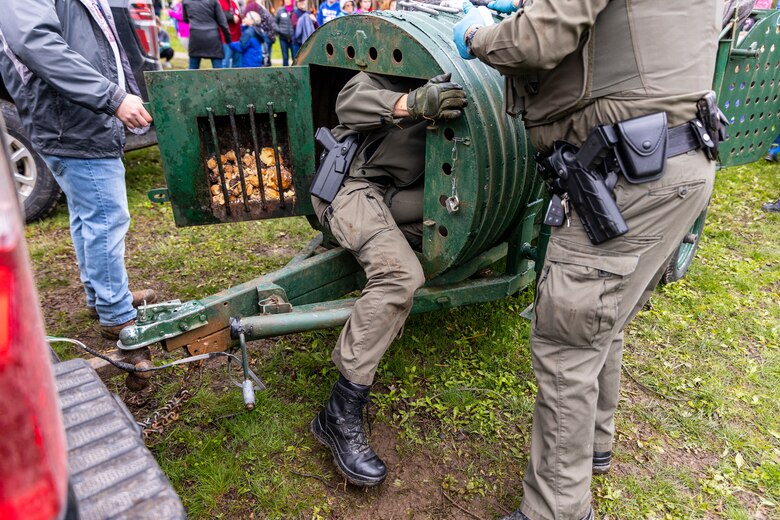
{"x":33,"y":480}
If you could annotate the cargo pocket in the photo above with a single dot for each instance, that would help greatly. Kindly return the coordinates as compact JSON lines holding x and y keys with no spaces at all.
{"x":579,"y":293}
{"x":357,"y":217}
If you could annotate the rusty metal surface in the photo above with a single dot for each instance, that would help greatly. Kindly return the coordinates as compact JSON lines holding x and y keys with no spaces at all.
{"x":217,"y":342}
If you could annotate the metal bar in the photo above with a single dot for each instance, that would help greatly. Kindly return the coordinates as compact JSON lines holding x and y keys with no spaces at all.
{"x":237,"y":150}
{"x":443,"y":9}
{"x":252,"y":114}
{"x":419,"y":7}
{"x":271,"y":325}
{"x":272,"y":120}
{"x":472,"y":266}
{"x":218,"y":152}
{"x":745,"y":53}
{"x":335,"y":313}
{"x":307,"y":251}
{"x":197,"y":319}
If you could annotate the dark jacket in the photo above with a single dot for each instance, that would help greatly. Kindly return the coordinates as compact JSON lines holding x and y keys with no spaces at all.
{"x":60,"y":70}
{"x":250,"y":46}
{"x":284,"y":23}
{"x":206,"y":19}
{"x":267,"y":24}
{"x":365,"y":105}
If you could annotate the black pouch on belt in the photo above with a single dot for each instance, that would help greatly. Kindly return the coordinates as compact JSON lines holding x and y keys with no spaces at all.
{"x":641,"y":147}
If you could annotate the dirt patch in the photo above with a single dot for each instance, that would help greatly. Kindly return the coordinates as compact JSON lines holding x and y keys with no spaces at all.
{"x":413,"y":489}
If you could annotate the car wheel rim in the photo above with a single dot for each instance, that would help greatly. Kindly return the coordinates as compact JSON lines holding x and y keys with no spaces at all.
{"x":23,"y":167}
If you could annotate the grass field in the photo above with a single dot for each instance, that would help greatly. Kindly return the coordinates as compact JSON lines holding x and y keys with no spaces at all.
{"x":698,"y":422}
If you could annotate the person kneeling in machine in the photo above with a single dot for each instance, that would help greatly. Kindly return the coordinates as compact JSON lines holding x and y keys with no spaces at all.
{"x":368,"y":192}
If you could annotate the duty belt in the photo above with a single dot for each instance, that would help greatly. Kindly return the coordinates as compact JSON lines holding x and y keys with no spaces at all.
{"x":687,"y":137}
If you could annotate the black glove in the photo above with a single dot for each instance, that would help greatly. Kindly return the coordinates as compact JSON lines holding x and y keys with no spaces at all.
{"x":440,"y":98}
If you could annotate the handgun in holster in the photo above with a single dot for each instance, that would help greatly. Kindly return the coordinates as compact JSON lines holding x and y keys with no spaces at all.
{"x":335,"y":161}
{"x":587,"y":177}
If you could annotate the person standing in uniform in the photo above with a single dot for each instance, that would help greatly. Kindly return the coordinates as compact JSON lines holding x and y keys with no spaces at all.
{"x":207,"y":21}
{"x":65,"y":68}
{"x":377,"y":216}
{"x":569,"y":67}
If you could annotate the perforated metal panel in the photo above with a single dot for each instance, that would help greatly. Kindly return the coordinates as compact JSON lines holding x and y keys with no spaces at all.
{"x":748,"y":86}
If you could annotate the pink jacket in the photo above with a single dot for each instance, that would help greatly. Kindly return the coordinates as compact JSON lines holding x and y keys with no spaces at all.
{"x":182,"y":29}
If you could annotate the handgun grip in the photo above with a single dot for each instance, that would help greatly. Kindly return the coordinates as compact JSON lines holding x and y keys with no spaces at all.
{"x":324,"y":136}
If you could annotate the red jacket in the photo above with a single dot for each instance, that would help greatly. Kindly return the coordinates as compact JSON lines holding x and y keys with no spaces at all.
{"x":231,"y":8}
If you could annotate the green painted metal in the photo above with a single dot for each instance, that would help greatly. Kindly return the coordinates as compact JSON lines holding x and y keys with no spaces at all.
{"x":747,"y":81}
{"x":485,"y":153}
{"x":483,"y":156}
{"x":322,"y":277}
{"x":335,"y":313}
{"x":183,"y":104}
{"x":687,"y":248}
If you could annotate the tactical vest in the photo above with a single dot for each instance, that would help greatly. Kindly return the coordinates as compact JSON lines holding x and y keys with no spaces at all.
{"x":636,"y":49}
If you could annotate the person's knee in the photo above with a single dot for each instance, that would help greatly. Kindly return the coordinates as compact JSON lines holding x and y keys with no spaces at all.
{"x":410,"y":278}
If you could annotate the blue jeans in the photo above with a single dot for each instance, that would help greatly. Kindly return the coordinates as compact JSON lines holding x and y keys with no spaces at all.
{"x":216,"y":63}
{"x":286,"y":46}
{"x":232,"y":58}
{"x":99,"y":220}
{"x":267,"y":42}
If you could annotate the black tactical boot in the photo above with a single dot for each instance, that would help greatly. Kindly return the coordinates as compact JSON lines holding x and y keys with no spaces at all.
{"x":602,"y":461}
{"x":339,"y":426}
{"x":773,"y":207}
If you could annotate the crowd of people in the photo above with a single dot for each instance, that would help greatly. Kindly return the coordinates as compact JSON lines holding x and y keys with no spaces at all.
{"x":242,"y":33}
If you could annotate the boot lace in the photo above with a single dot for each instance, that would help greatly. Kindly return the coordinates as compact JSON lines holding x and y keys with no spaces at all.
{"x":353,"y":426}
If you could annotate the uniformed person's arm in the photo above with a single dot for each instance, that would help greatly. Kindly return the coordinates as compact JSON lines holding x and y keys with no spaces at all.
{"x":365,"y":104}
{"x":536,"y":38}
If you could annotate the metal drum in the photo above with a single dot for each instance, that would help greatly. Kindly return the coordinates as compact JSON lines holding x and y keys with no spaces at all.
{"x":479,"y":176}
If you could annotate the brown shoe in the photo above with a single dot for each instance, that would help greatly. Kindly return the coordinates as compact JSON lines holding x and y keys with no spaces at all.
{"x":112,"y":331}
{"x":147,"y":295}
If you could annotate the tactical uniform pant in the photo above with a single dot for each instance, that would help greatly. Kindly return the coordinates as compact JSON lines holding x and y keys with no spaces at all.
{"x":586,"y":295}
{"x":362,"y":223}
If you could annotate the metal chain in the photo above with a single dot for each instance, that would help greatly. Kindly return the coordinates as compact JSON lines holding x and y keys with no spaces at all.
{"x":157,"y":422}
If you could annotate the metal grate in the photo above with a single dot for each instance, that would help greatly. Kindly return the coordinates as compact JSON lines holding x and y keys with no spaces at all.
{"x":748,"y":85}
{"x":241,"y":134}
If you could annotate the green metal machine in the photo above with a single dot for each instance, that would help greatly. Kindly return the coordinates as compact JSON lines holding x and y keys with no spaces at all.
{"x":482,"y":159}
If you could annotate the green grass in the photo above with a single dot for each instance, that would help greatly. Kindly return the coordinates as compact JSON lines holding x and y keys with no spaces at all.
{"x":698,"y":425}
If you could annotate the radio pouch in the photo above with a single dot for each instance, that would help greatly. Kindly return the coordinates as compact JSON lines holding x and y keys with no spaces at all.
{"x":641,"y":147}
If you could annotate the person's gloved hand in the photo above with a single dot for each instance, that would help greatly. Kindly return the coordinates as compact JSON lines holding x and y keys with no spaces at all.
{"x":440,"y":98}
{"x":505,"y":6}
{"x":479,"y":17}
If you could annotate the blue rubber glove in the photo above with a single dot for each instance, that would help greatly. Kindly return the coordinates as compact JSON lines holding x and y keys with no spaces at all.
{"x":478,"y":17}
{"x":503,"y":6}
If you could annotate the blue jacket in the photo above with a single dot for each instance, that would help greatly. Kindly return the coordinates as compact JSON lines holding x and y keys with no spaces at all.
{"x":250,"y":46}
{"x":327,"y":12}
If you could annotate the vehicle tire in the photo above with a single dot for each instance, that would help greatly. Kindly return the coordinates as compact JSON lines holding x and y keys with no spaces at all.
{"x":683,"y":256}
{"x":35,"y":185}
